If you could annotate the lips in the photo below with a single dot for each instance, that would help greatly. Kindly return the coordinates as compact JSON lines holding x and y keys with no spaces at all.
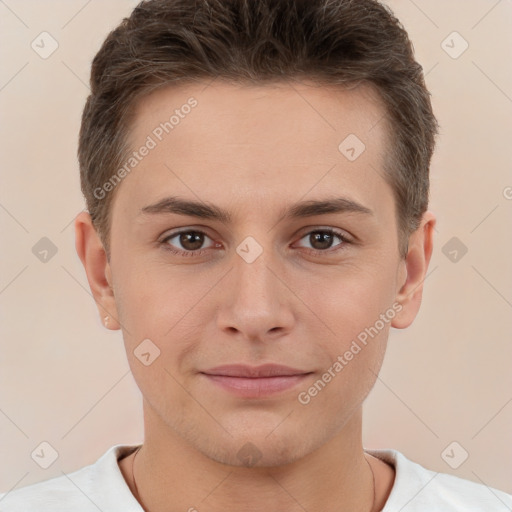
{"x":266,"y":370}
{"x":255,"y":381}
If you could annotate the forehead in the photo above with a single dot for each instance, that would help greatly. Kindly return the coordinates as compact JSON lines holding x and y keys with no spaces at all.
{"x":248,"y":113}
{"x":223,"y":140}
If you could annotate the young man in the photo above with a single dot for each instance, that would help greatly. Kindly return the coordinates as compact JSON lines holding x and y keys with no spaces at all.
{"x":257,"y":176}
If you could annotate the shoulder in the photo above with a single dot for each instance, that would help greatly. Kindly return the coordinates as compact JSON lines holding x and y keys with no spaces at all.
{"x":99,"y":486}
{"x":417,"y":489}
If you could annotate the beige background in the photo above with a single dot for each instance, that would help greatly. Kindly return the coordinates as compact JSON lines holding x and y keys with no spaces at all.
{"x":65,"y":380}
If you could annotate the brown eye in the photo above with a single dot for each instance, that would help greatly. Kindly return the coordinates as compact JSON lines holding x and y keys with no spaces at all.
{"x":191,"y":240}
{"x":186,"y":242}
{"x":322,"y":240}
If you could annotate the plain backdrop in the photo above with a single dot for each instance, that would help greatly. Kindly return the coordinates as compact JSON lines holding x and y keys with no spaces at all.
{"x":65,"y":380}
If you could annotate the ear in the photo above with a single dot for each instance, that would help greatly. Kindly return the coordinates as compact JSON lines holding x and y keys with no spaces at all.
{"x":416,"y":263}
{"x":94,"y":259}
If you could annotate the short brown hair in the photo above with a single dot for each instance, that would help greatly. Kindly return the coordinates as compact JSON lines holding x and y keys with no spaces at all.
{"x":333,"y":42}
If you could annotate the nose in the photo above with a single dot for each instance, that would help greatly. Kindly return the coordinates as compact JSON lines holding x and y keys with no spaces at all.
{"x":256,"y":303}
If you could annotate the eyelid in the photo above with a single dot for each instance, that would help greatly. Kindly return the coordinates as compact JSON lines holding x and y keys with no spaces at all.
{"x":336,"y":231}
{"x":164,"y":239}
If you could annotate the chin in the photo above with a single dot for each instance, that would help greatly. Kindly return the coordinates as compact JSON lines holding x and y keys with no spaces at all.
{"x":259,"y":449}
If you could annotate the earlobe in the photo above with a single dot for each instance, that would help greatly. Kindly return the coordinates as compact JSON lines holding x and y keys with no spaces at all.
{"x":92,"y":254}
{"x":416,"y":265}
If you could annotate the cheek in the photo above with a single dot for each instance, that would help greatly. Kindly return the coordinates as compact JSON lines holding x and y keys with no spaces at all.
{"x":168,"y":306}
{"x":350,"y":301}
{"x":156,"y":309}
{"x":153,"y":297}
{"x":345,"y":383}
{"x":356,"y":305}
{"x":359,"y":313}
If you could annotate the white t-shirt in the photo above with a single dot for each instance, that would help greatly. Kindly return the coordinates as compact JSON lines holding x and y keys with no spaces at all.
{"x":101,"y":487}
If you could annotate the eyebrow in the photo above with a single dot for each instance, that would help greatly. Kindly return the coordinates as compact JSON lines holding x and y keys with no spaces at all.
{"x":202,"y":210}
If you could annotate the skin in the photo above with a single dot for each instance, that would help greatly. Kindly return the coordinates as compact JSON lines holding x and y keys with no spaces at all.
{"x":254,"y":151}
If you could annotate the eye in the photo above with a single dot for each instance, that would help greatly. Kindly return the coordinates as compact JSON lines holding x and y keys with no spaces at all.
{"x":322,"y":240}
{"x":189,"y":243}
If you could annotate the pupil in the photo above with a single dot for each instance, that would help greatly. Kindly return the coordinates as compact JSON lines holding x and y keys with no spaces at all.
{"x":321,"y":238}
{"x":191,"y":241}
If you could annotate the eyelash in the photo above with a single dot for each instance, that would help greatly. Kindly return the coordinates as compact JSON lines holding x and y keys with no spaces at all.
{"x":199,"y":252}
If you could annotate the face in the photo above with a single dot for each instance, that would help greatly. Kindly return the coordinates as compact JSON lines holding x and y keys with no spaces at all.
{"x":288,"y":257}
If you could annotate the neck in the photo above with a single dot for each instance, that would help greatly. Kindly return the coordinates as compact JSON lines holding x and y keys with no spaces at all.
{"x":170,"y":472}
